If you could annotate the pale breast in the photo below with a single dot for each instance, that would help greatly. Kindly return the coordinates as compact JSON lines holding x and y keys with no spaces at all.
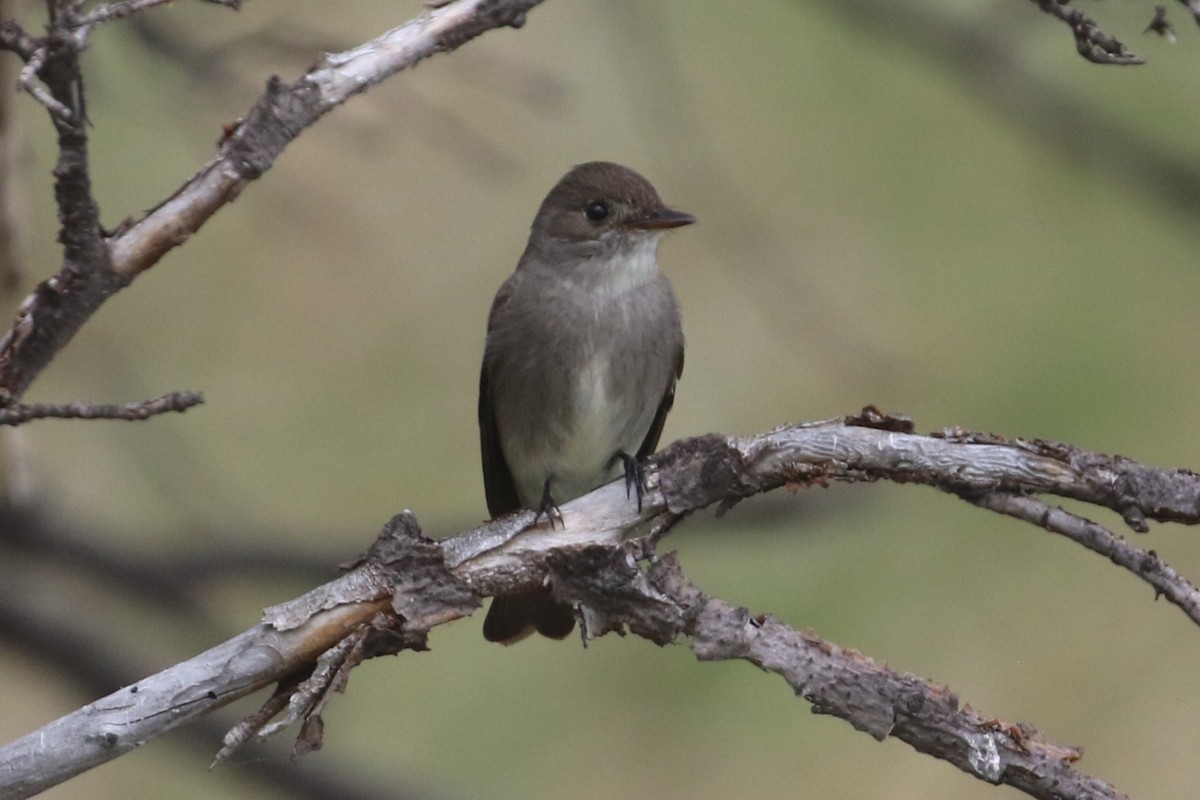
{"x":580,"y":382}
{"x":608,"y":419}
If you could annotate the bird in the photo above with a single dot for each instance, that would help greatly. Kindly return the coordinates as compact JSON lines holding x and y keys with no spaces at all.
{"x":584,"y":347}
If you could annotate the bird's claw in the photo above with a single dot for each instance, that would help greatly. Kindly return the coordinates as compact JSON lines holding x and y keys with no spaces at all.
{"x":635,"y":477}
{"x":548,"y":508}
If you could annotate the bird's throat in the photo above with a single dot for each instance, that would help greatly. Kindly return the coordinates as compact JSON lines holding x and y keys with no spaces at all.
{"x":629,"y":266}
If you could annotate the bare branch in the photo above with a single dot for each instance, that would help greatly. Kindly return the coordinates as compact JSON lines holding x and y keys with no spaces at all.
{"x":872,"y":446}
{"x":847,"y":684}
{"x":56,"y":310}
{"x":174,"y":401}
{"x":1091,"y":42}
{"x":28,"y":80}
{"x":1146,"y":565}
{"x":109,"y":12}
{"x":406,"y":585}
{"x":86,"y":276}
{"x":287,"y":109}
{"x":988,"y":64}
{"x":14,"y":38}
{"x":72,"y":645}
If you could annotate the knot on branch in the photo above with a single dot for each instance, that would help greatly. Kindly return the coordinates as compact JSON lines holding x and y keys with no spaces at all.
{"x":278,"y":116}
{"x":401,"y":566}
{"x":1144,"y":492}
{"x":488,"y":15}
{"x":424,"y":591}
{"x":872,"y":417}
{"x":694,"y":473}
{"x":1091,"y":42}
{"x":391,"y":596}
{"x":655,"y":603}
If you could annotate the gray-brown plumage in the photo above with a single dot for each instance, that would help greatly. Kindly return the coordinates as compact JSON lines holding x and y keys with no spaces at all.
{"x":584,"y":346}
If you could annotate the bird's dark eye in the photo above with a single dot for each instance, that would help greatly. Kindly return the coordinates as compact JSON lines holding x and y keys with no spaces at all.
{"x":596,"y":211}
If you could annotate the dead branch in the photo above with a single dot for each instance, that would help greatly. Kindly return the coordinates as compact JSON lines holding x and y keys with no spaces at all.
{"x":173,"y":402}
{"x":108,"y":12}
{"x":64,"y":644}
{"x":405,"y":585}
{"x":16,"y":40}
{"x":96,"y":265}
{"x":1091,"y":42}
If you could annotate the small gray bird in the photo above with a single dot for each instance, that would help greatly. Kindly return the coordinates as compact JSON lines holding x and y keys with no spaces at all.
{"x":584,"y":346}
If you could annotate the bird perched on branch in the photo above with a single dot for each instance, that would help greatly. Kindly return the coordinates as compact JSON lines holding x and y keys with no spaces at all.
{"x":584,"y":346}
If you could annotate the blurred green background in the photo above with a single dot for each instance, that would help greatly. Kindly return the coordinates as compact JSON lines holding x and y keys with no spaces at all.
{"x":937,"y":208}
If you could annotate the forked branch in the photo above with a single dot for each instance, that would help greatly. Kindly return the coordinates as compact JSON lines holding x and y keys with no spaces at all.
{"x":405,"y":585}
{"x":1092,"y":43}
{"x":97,"y":263}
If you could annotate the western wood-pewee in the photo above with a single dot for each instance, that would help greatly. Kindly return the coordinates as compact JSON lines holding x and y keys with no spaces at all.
{"x":584,"y":346}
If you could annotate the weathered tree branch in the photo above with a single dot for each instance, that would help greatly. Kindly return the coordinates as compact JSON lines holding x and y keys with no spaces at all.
{"x":66,"y":645}
{"x":96,"y":266}
{"x":1145,"y":564}
{"x":167,"y":403}
{"x":406,"y":585}
{"x":108,"y":12}
{"x":14,"y":38}
{"x":988,"y":64}
{"x":1091,"y":42}
{"x":835,"y":680}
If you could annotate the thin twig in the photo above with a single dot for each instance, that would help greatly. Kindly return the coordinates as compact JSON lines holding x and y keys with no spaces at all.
{"x":114,"y":11}
{"x":1091,"y":42}
{"x":14,"y":38}
{"x":109,"y":12}
{"x":28,"y":80}
{"x":174,"y":401}
{"x":1145,"y":564}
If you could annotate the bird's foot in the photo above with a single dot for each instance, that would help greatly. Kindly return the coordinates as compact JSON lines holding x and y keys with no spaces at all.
{"x":635,"y":477}
{"x":548,"y":508}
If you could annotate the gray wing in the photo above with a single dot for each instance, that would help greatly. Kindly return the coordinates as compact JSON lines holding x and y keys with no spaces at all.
{"x":498,"y":484}
{"x":650,"y":443}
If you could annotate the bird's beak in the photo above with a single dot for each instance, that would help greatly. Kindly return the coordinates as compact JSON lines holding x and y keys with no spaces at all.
{"x":662,"y":219}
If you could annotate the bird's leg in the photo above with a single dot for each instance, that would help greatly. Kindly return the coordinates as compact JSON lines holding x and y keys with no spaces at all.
{"x":548,"y":507}
{"x":635,"y":476}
